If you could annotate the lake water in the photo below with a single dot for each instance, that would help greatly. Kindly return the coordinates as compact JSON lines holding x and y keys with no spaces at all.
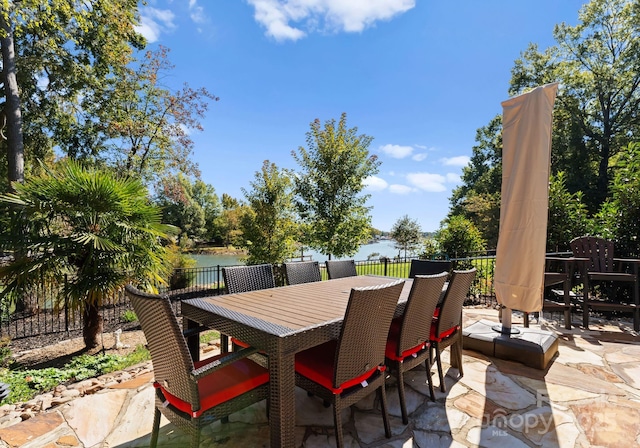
{"x":383,"y":248}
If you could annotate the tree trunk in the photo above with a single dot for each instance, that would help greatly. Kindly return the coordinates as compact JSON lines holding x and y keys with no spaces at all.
{"x":92,"y":325}
{"x":15,"y":144}
{"x":13,"y":117}
{"x":603,"y":174}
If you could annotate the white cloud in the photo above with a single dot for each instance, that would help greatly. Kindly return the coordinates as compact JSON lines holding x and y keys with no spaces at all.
{"x":286,"y":19}
{"x":453,"y":178}
{"x":196,"y":12}
{"x":427,"y":181}
{"x":397,"y":151}
{"x":155,"y":21}
{"x":400,"y":189}
{"x":456,"y":161}
{"x":375,"y":183}
{"x":419,"y":157}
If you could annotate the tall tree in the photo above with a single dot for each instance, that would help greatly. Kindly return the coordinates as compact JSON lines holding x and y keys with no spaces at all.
{"x":407,"y":234}
{"x":228,"y":223}
{"x":598,"y":65}
{"x":66,"y":54}
{"x":148,"y":124}
{"x":478,"y":197}
{"x":269,"y":230}
{"x":12,"y":114}
{"x":329,"y":186}
{"x":180,"y":209}
{"x":96,"y":230}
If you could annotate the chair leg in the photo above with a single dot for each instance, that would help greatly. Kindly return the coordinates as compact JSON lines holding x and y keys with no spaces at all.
{"x":585,"y":304}
{"x":337,"y":421}
{"x":443,"y":388}
{"x":195,"y":438}
{"x":385,"y":412}
{"x":428,"y":365}
{"x":156,"y":429}
{"x":401,"y":395}
{"x":224,"y":343}
{"x":458,"y":345}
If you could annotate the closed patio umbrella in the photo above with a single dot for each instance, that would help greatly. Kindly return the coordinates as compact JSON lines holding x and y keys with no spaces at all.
{"x":526,"y":155}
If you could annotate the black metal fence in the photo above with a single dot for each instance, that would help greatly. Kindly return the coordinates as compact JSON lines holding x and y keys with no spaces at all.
{"x":46,"y":314}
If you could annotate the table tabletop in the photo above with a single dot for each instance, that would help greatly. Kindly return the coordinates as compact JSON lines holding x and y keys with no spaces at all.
{"x":281,"y":322}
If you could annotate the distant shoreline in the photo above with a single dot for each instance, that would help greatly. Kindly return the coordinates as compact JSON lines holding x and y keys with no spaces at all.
{"x":218,"y":251}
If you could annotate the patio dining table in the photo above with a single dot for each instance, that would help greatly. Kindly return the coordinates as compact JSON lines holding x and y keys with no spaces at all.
{"x":281,"y":322}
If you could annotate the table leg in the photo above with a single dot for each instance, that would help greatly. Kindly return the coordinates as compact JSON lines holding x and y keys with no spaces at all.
{"x":282,"y":405}
{"x":193,"y":341}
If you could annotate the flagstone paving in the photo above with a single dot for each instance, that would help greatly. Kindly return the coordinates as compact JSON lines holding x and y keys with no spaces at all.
{"x":588,"y":396}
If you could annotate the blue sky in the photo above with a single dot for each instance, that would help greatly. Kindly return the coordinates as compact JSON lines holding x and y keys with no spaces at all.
{"x":418,"y":76}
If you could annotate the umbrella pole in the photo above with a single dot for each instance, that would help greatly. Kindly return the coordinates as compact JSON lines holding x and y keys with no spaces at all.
{"x":505,"y":327}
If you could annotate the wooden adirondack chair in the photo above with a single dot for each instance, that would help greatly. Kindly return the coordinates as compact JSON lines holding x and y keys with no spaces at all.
{"x":600,"y":266}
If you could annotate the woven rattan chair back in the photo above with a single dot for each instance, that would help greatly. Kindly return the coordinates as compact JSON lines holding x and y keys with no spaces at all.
{"x":341,"y":268}
{"x":248,"y":278}
{"x":170,"y":355}
{"x":598,"y":250}
{"x":429,"y":267}
{"x":363,"y":336}
{"x":416,"y":321}
{"x":457,"y":292}
{"x":302,"y":272}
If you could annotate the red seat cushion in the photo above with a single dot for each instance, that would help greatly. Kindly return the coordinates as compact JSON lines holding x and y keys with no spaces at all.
{"x":444,"y":335}
{"x":222,"y":385}
{"x":239,"y":343}
{"x":317,"y":364}
{"x":391,"y":351}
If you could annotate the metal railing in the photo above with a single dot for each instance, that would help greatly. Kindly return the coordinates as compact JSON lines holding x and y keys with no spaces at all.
{"x":46,"y":314}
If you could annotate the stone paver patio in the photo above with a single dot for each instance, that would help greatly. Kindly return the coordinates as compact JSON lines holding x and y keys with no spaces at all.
{"x":588,"y":396}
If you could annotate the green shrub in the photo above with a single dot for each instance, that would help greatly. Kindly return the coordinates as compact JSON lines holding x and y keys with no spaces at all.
{"x":5,"y":352}
{"x":27,"y":383}
{"x":129,"y":316}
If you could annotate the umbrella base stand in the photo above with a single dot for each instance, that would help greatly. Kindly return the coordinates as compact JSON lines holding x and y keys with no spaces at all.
{"x":505,"y":327}
{"x":505,"y":330}
{"x":531,"y":347}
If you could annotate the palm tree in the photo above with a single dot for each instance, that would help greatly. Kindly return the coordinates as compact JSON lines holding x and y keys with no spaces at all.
{"x":97,"y":230}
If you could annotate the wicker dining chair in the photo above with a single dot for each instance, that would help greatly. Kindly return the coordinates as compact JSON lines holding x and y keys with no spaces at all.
{"x":191,"y":394}
{"x":408,"y":340}
{"x":248,"y":278}
{"x":429,"y":267}
{"x":446,"y":328}
{"x":345,"y":370}
{"x":341,"y":268}
{"x":244,"y":279}
{"x":302,"y":272}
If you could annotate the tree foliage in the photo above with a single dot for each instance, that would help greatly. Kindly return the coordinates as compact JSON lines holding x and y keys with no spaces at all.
{"x":407,"y":234}
{"x":269,"y":230}
{"x":567,"y":215}
{"x":91,"y":227}
{"x":459,"y":238}
{"x":68,"y":53}
{"x":227,"y":225}
{"x":329,"y":186}
{"x":192,"y":206}
{"x":478,"y":197}
{"x":619,"y":218}
{"x":597,"y":63}
{"x":148,"y":124}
